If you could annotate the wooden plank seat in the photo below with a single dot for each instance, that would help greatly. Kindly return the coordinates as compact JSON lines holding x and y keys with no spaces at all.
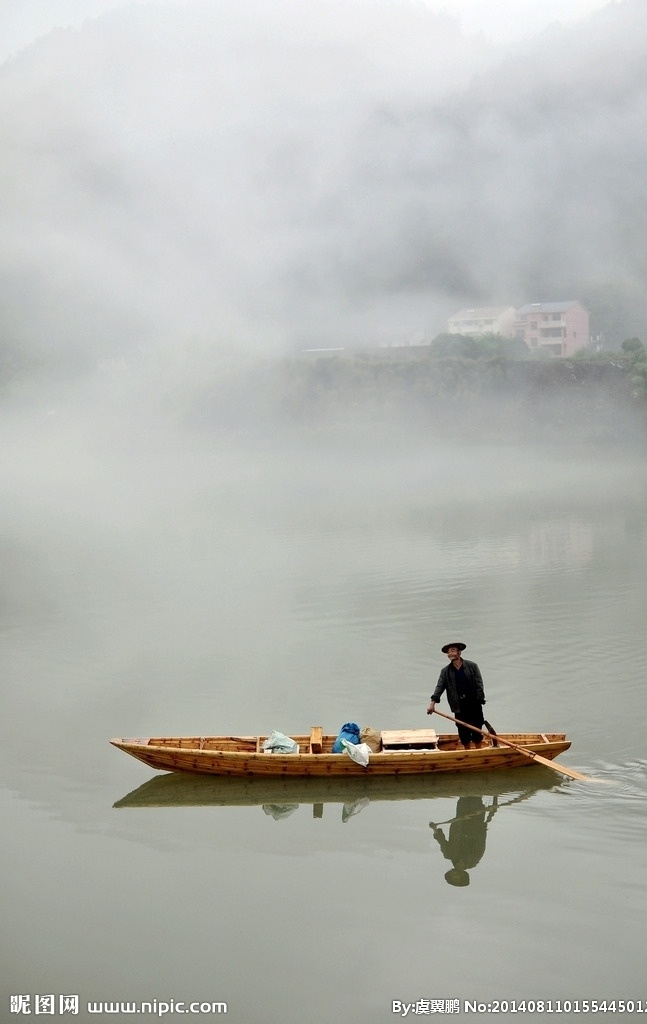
{"x":316,"y":739}
{"x":409,"y":739}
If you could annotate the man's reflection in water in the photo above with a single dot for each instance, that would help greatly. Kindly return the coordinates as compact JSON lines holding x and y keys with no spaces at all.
{"x":467,"y":833}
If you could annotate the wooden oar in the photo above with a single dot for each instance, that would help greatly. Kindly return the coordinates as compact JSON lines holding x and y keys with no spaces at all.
{"x":572,"y":774}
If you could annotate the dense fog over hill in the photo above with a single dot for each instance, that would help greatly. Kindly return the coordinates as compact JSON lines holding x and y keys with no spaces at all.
{"x":257,"y":178}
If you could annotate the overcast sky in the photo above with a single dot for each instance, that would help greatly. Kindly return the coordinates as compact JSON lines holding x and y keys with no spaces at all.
{"x":503,"y":21}
{"x":302,"y":173}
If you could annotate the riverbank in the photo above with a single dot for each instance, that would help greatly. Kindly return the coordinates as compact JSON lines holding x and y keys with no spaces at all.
{"x":403,"y":390}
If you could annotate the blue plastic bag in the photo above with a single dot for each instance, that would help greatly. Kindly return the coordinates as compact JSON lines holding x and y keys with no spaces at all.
{"x":350,"y":732}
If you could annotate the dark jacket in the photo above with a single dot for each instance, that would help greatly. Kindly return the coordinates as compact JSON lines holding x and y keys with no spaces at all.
{"x":447,"y":681}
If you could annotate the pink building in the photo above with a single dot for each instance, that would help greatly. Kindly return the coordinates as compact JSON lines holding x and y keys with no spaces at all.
{"x":556,"y":328}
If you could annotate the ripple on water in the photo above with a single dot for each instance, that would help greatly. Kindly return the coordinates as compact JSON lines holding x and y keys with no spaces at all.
{"x":607,"y":811}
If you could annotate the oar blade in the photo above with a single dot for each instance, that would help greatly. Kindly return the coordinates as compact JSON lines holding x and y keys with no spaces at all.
{"x":572,"y":774}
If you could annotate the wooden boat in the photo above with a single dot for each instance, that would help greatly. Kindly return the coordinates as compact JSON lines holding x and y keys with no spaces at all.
{"x":403,"y":752}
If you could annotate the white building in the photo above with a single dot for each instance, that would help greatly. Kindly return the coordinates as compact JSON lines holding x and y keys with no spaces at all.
{"x":484,"y":320}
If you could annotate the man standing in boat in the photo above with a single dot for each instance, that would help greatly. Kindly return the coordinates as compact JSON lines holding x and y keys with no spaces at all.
{"x":463,"y":683}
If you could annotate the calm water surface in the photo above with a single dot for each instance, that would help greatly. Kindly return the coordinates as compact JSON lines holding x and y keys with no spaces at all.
{"x":179,"y":586}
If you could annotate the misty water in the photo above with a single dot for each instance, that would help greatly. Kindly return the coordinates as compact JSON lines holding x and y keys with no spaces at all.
{"x":161,"y":582}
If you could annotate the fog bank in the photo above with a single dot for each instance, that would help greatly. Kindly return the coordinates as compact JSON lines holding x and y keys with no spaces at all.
{"x":200,"y":180}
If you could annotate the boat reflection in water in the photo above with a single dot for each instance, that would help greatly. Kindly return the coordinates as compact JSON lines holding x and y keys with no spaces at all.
{"x":278,"y":811}
{"x":280,"y":798}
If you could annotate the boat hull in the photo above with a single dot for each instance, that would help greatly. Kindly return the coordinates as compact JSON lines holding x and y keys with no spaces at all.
{"x":242,"y":756}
